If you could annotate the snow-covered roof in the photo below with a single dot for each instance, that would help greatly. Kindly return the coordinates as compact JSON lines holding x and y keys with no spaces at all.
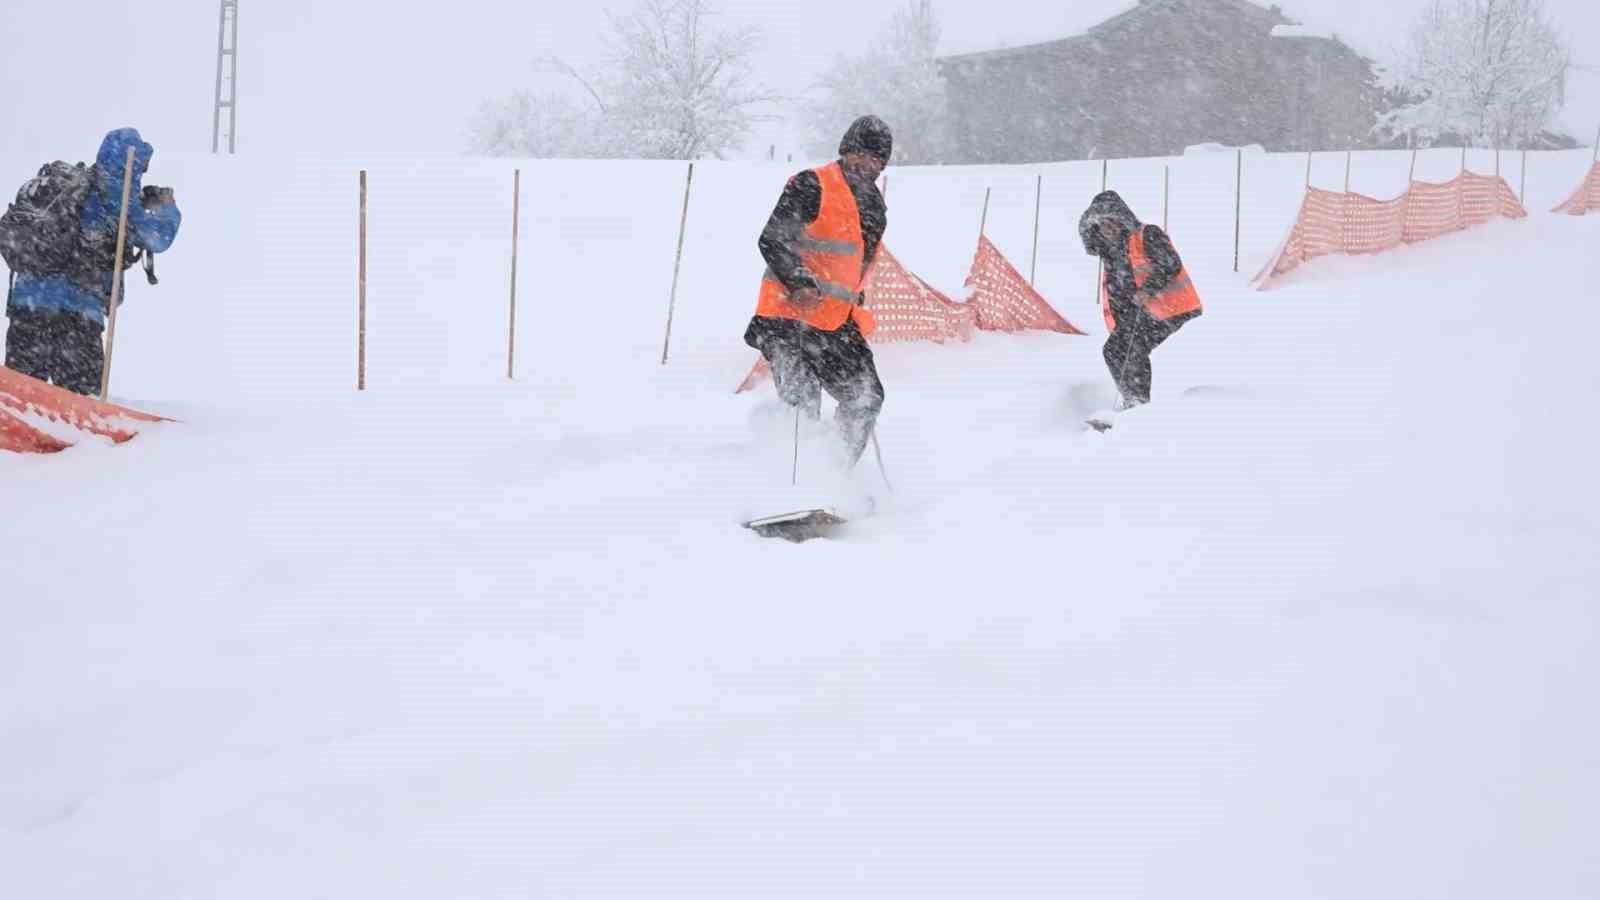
{"x":1352,"y":30}
{"x":1302,"y":31}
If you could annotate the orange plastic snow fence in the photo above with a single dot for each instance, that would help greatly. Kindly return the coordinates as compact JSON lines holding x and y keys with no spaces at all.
{"x":38,"y":418}
{"x":1004,"y":300}
{"x":1586,"y":199}
{"x":1331,"y":222}
{"x":907,"y":309}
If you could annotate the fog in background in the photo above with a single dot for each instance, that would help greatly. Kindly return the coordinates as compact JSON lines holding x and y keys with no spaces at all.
{"x":339,"y":75}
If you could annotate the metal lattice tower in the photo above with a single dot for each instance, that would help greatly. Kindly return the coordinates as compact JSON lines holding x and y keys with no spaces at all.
{"x":227,"y":76}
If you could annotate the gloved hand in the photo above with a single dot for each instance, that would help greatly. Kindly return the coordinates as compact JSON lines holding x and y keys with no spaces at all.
{"x":808,"y":295}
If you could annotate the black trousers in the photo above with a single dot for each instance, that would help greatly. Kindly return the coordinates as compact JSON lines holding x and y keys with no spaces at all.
{"x":63,"y":348}
{"x":806,"y":361}
{"x":1127,"y":352}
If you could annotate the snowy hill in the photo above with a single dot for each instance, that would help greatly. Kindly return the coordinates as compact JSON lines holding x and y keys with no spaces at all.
{"x":1319,"y":622}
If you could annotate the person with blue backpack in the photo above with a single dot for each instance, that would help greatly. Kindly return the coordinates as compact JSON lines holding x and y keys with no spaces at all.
{"x":59,"y":240}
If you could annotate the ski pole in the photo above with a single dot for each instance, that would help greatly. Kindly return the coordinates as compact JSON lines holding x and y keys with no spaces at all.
{"x":794,"y":476}
{"x":878,"y":452}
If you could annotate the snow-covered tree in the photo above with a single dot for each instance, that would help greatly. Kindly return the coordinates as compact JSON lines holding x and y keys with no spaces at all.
{"x":537,"y":126}
{"x":896,"y":79}
{"x":1491,"y":72}
{"x":671,"y":84}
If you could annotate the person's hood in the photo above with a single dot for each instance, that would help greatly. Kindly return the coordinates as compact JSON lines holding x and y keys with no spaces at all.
{"x":114,"y":154}
{"x":1106,"y":206}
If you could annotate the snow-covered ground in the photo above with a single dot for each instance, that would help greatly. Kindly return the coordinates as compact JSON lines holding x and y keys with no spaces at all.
{"x":1319,"y":623}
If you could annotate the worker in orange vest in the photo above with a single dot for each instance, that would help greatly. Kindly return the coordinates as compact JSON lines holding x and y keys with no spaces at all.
{"x":1145,"y":291}
{"x":811,"y":323}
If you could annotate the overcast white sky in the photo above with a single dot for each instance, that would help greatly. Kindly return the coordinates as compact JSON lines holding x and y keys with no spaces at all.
{"x":364,"y":74}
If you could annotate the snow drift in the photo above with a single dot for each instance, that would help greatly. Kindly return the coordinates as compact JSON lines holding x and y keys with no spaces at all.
{"x":1319,"y":622}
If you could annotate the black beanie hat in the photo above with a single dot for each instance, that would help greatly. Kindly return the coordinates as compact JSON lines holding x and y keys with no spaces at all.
{"x":868,"y":135}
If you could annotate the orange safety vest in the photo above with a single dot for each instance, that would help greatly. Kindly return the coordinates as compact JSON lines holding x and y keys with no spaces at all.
{"x":1177,"y":298}
{"x":833,"y":252}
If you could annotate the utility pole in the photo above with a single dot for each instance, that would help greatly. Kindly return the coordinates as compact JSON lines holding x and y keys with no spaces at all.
{"x":227,"y":77}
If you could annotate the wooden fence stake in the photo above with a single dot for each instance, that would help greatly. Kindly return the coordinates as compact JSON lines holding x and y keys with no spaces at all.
{"x":361,"y":294}
{"x":1100,"y":265}
{"x":516,"y":227}
{"x":1238,"y":209}
{"x":1347,"y":158}
{"x":1413,"y":176}
{"x":983,"y":220}
{"x":1038,"y":200}
{"x":677,"y":265}
{"x":116,"y":276}
{"x":1166,"y":194}
{"x":1309,"y":154}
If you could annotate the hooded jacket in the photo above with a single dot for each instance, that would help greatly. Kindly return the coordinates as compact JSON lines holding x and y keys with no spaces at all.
{"x":84,"y":290}
{"x":1121,"y":286}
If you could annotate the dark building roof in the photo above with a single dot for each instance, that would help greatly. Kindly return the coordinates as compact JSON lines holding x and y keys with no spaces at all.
{"x":1264,"y":17}
{"x":1156,"y":78}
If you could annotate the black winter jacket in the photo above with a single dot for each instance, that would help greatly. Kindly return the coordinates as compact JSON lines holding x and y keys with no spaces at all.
{"x":1121,"y":285}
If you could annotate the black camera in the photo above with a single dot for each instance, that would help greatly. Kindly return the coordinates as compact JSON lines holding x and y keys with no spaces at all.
{"x":152,"y":196}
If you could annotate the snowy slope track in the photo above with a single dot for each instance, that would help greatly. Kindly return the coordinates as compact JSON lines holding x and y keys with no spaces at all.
{"x":1319,"y":622}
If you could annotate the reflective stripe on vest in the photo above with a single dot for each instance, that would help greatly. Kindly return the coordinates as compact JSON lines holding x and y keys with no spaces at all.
{"x":836,"y":248}
{"x":1178,"y":298}
{"x":826,"y":288}
{"x":832,"y":250}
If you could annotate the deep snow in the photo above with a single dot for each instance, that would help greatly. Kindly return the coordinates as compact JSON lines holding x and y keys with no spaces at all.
{"x":1320,"y":622}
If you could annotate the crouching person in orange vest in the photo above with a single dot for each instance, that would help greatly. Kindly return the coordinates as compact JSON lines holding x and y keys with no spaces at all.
{"x":1145,"y":291}
{"x":810,"y":321}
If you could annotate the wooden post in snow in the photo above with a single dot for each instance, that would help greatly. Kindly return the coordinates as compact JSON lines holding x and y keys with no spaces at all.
{"x":1238,"y":208}
{"x":361,"y":293}
{"x":1344,"y":218}
{"x":1497,"y":162}
{"x":677,"y":265}
{"x":516,"y":229}
{"x":1309,"y":154}
{"x":1100,"y":267}
{"x":1038,"y":200}
{"x":116,"y":276}
{"x":1413,"y":176}
{"x":1166,"y":194}
{"x":983,"y":220}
